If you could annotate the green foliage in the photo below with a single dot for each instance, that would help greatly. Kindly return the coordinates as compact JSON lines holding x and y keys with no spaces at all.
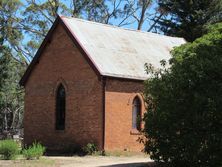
{"x":188,"y":18}
{"x":11,"y":95}
{"x":38,"y":18}
{"x":9,"y":24}
{"x":11,"y":33}
{"x":183,"y":123}
{"x":90,"y":149}
{"x":99,"y":153}
{"x":25,"y":23}
{"x":11,"y":65}
{"x":8,"y":149}
{"x":35,"y":151}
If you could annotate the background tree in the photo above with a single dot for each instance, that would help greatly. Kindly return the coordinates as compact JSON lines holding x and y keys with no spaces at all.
{"x":10,"y":32}
{"x":183,"y":121}
{"x":24,"y":24}
{"x":188,"y":18}
{"x":11,"y":64}
{"x":37,"y":18}
{"x":11,"y":95}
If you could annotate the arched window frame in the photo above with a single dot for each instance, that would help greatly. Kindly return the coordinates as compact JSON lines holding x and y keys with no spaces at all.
{"x":60,"y":107}
{"x":136,"y":113}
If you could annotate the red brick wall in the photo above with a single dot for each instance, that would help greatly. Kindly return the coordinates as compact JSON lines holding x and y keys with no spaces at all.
{"x":118,"y":116}
{"x":61,"y":62}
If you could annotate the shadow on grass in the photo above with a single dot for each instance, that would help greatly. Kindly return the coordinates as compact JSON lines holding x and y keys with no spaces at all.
{"x":138,"y":164}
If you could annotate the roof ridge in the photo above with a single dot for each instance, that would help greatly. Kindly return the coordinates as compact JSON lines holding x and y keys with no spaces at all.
{"x":122,"y":28}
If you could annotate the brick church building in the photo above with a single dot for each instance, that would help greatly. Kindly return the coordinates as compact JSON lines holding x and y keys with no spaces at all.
{"x":85,"y":85}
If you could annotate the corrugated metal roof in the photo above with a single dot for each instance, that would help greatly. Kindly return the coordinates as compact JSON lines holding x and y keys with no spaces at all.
{"x":121,"y":52}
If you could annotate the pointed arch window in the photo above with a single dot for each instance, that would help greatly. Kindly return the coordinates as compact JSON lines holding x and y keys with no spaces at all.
{"x":136,"y":114}
{"x":60,"y":107}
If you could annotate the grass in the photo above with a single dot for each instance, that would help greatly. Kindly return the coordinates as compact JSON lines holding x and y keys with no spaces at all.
{"x":9,"y":149}
{"x":35,"y":151}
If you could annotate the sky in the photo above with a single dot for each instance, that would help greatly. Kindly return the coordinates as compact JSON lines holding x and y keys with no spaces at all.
{"x":68,"y":3}
{"x":151,"y":9}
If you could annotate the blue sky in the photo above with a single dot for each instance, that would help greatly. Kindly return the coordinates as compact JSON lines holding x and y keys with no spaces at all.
{"x":113,"y":21}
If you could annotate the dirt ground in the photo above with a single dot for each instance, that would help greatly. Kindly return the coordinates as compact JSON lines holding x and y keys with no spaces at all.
{"x":86,"y":161}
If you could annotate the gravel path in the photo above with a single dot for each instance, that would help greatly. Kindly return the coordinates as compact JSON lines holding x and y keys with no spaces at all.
{"x":76,"y":161}
{"x":103,"y":161}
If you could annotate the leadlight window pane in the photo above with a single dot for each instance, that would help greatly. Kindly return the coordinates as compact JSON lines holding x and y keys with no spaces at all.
{"x":136,"y":114}
{"x":60,"y":107}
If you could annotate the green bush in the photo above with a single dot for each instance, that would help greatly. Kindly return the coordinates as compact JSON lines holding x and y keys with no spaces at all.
{"x":35,"y":151}
{"x":90,"y":149}
{"x":183,"y":121}
{"x":8,"y":149}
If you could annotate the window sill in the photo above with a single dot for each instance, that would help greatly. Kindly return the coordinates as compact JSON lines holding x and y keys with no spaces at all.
{"x":135,"y":132}
{"x":60,"y":131}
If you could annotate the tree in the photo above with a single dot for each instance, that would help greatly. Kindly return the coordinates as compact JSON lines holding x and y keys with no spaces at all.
{"x":30,"y":20}
{"x":37,"y":19}
{"x":183,"y":123}
{"x":12,"y":65}
{"x":11,"y":95}
{"x":188,"y":18}
{"x":10,"y":34}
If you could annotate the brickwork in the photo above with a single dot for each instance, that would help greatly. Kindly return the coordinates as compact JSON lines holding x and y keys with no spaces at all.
{"x":61,"y":62}
{"x":119,"y":96}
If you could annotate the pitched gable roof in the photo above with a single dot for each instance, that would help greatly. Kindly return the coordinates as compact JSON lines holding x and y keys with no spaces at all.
{"x":114,"y":51}
{"x":121,"y":52}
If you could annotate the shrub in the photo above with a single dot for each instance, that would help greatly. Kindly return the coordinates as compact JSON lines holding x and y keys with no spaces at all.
{"x":35,"y":151}
{"x":90,"y":149}
{"x":8,"y":149}
{"x":183,"y":121}
{"x":99,"y":153}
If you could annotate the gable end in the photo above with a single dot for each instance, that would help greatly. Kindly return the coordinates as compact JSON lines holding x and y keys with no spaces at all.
{"x":35,"y":60}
